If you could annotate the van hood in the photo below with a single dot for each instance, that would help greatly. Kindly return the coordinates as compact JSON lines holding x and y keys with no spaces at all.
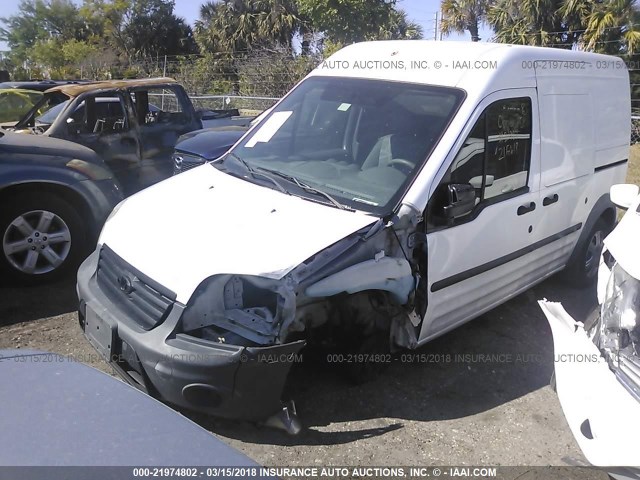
{"x":205,"y":222}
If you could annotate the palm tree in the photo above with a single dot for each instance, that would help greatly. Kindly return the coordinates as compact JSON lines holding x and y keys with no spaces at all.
{"x":228,"y":30}
{"x":606,"y":27}
{"x":238,"y":25}
{"x":399,"y":27}
{"x":529,"y":22}
{"x":463,"y":15}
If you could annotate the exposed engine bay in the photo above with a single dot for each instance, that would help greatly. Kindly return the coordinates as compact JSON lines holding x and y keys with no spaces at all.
{"x":365,"y":282}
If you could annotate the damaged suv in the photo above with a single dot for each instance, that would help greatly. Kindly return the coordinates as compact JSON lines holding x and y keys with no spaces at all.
{"x":597,"y":362}
{"x":368,"y":204}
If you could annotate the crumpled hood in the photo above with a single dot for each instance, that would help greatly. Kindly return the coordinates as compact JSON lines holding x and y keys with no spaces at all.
{"x":205,"y":222}
{"x":622,"y":242}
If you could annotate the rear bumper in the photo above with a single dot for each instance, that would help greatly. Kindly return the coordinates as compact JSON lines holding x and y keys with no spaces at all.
{"x":219,"y":379}
{"x":603,"y":416}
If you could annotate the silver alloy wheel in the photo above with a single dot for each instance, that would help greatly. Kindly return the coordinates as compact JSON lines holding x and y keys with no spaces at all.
{"x":36,"y":242}
{"x":594,"y":250}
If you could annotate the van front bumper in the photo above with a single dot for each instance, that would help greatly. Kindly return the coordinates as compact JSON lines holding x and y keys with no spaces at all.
{"x":219,"y":379}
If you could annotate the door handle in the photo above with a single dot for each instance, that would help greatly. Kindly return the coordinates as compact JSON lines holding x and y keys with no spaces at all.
{"x":550,"y":199}
{"x":526,"y":208}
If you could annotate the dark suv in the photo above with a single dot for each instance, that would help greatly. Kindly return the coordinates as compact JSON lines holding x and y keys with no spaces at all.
{"x":66,"y":164}
{"x":54,"y":197}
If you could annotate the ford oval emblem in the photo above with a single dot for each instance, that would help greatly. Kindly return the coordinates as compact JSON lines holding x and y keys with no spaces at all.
{"x":125,"y":284}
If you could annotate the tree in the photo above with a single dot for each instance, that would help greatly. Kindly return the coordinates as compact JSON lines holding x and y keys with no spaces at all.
{"x":349,"y":21}
{"x":463,"y":16}
{"x":399,"y":27}
{"x":149,"y":28}
{"x":238,"y":25}
{"x":38,"y":22}
{"x":529,"y":22}
{"x":228,"y":30}
{"x":606,"y":27}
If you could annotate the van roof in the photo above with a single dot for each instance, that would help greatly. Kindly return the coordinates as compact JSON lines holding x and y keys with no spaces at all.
{"x":471,"y":66}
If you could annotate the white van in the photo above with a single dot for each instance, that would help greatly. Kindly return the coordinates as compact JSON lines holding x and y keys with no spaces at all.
{"x":401,"y":189}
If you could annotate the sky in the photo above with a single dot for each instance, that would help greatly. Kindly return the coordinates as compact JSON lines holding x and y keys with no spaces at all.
{"x":420,"y":11}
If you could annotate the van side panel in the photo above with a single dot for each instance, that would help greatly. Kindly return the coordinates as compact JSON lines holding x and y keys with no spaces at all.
{"x":567,"y":135}
{"x":585,"y":132}
{"x":612,"y":117}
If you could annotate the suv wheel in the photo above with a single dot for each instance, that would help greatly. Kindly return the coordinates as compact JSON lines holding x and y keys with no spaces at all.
{"x":42,"y":237}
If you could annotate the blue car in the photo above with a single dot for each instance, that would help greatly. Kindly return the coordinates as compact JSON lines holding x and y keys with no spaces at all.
{"x":201,"y":146}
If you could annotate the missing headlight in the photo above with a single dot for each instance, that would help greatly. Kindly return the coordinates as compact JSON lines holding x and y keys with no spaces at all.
{"x":242,"y":310}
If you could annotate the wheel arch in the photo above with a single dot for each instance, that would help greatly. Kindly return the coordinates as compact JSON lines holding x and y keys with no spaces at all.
{"x":603,"y":209}
{"x":66,"y":192}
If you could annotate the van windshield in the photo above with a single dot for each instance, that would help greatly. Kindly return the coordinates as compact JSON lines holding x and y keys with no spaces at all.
{"x":360,"y":141}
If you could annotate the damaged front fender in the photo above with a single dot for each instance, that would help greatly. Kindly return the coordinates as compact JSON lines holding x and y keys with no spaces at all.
{"x":389,"y":274}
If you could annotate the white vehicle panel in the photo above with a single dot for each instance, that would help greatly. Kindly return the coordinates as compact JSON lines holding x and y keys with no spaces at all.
{"x":589,"y":392}
{"x":623,"y":241}
{"x":184,"y":221}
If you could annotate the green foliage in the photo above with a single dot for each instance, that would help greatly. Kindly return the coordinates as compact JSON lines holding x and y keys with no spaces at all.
{"x":63,"y":39}
{"x":604,"y":26}
{"x":242,"y":46}
{"x":464,"y":16}
{"x":349,"y":21}
{"x":235,"y":26}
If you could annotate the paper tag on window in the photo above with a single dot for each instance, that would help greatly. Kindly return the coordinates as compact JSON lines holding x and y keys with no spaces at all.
{"x":344,"y":107}
{"x":269,"y":128}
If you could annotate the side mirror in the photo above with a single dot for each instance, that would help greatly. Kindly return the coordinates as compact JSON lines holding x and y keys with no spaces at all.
{"x":476,"y":182}
{"x":624,"y":195}
{"x":461,"y":200}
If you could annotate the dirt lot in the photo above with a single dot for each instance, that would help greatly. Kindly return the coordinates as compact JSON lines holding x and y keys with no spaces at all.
{"x":447,"y":411}
{"x":454,"y":412}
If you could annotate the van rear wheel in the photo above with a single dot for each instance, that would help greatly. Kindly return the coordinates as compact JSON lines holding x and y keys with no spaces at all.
{"x":584,"y":269}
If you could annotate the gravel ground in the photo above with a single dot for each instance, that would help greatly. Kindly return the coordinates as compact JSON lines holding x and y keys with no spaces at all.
{"x":447,"y":411}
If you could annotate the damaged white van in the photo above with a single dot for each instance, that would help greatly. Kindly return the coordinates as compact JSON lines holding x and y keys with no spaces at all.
{"x":401,"y":189}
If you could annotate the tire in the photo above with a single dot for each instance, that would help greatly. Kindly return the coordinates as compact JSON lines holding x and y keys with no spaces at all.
{"x":583,"y":271}
{"x":42,"y":237}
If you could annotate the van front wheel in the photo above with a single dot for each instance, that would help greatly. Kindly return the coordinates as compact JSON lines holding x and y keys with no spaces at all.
{"x":583,"y":271}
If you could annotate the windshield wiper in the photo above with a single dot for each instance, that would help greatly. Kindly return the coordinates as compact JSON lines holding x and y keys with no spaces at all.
{"x":307,"y":188}
{"x":253,"y":172}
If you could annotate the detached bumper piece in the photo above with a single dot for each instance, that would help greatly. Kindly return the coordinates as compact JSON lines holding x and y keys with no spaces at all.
{"x":138,"y":335}
{"x":603,"y":415}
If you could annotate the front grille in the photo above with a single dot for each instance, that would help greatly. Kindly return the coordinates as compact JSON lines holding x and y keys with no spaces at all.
{"x":183,"y":162}
{"x":144,"y":300}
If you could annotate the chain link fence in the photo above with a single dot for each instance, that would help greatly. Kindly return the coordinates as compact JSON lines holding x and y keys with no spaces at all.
{"x":247,"y":105}
{"x":635,"y":129}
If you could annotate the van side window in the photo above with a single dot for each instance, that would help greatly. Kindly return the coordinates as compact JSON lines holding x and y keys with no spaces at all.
{"x":509,"y":146}
{"x":494,"y":159}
